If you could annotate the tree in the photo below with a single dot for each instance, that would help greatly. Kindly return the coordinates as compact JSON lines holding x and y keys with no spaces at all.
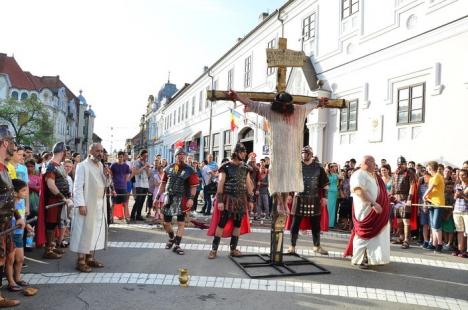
{"x":29,"y":119}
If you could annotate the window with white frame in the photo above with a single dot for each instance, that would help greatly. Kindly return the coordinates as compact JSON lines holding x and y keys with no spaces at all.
{"x":200,"y":101}
{"x":248,"y":72}
{"x":349,"y":7}
{"x":181,"y":112}
{"x":230,"y":79}
{"x":271,"y":44}
{"x":411,"y":100}
{"x":186,"y":109}
{"x":206,"y":101}
{"x":193,"y":105}
{"x":348,"y":116}
{"x":308,"y":27}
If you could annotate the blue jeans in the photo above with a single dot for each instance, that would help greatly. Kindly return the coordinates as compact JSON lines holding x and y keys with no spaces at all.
{"x":435,"y":218}
{"x":207,"y":206}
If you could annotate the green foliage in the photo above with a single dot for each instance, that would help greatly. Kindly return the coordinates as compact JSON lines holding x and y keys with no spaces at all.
{"x":29,"y":119}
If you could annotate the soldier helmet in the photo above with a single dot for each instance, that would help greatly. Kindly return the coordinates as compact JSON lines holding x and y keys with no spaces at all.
{"x":58,"y":147}
{"x":307,"y":149}
{"x":240,"y":148}
{"x":401,"y":160}
{"x":5,"y":132}
{"x":180,"y":151}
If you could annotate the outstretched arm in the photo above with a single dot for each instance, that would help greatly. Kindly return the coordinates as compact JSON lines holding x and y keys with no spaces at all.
{"x":244,"y":100}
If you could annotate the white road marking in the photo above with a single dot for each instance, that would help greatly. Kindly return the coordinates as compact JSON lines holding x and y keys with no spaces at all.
{"x":295,"y":287}
{"x":36,"y":260}
{"x":305,"y":252}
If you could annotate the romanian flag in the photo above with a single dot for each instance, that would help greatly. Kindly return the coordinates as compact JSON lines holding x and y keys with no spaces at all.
{"x":233,"y":119}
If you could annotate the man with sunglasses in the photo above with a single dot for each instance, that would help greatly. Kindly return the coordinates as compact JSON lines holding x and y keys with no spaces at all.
{"x":7,"y":205}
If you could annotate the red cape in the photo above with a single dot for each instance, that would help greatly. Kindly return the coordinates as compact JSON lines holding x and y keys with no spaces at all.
{"x":373,"y":223}
{"x":305,"y":223}
{"x":227,"y":232}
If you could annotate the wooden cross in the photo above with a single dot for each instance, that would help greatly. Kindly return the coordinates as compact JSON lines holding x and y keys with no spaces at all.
{"x":280,"y":58}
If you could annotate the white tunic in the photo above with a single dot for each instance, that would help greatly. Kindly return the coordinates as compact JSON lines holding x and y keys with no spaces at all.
{"x":89,"y":233}
{"x":378,"y":248}
{"x":287,"y":140}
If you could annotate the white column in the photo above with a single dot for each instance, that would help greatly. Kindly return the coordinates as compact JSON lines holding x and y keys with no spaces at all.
{"x":201,"y":148}
{"x":316,"y":141}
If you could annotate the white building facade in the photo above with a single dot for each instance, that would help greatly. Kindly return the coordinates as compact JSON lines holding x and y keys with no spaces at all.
{"x":400,"y":63}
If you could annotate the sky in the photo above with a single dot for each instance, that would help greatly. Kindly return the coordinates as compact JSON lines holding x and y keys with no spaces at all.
{"x":120,"y":51}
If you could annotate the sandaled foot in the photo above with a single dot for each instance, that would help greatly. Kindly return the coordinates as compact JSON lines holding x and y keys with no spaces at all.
{"x":212,"y":254}
{"x":15,"y":288}
{"x":292,"y":250}
{"x":64,"y":244}
{"x":81,"y":266}
{"x":235,"y":253}
{"x":94,"y":263}
{"x":178,"y":250}
{"x":320,"y":250}
{"x":58,"y":251}
{"x":7,"y":303}
{"x":397,"y":241}
{"x":405,"y":245}
{"x":50,"y":254}
{"x":22,"y":283}
{"x":30,"y":291}
{"x":169,"y":244}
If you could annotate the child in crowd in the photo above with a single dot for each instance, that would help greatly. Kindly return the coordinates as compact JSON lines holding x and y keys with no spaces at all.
{"x":424,"y":211}
{"x":15,"y":259}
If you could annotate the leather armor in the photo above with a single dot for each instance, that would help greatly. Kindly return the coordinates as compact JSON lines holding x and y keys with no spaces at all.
{"x":177,"y":181}
{"x":307,"y":203}
{"x":235,"y":183}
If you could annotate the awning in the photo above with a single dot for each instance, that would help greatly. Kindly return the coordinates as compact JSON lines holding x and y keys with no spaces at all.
{"x":172,"y":139}
{"x":194,"y":136}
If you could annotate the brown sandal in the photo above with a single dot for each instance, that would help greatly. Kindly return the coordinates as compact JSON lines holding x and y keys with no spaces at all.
{"x":212,"y":254}
{"x":7,"y":303}
{"x":235,"y":253}
{"x":50,"y":254}
{"x":30,"y":291}
{"x":94,"y":263}
{"x":82,"y":266}
{"x":405,"y":245}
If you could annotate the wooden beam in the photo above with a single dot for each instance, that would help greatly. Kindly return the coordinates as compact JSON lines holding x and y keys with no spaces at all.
{"x":270,"y":97}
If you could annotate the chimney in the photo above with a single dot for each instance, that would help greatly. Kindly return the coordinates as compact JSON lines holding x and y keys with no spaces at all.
{"x":205,"y":69}
{"x":262,"y":16}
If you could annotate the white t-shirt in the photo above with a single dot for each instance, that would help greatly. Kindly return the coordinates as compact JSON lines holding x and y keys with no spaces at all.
{"x":141,"y":179}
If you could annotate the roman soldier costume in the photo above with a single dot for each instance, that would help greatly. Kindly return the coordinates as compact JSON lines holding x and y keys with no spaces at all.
{"x":403,"y":188}
{"x":7,"y":211}
{"x":48,"y":219}
{"x":235,"y":197}
{"x":306,"y":209}
{"x":179,"y":180}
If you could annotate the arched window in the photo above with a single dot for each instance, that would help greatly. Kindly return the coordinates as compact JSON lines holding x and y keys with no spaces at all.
{"x":24,"y":96}
{"x":15,"y":95}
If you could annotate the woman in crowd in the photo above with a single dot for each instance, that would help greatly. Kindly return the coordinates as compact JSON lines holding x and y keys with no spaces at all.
{"x":332,"y":195}
{"x":386,"y":174}
{"x":346,"y":201}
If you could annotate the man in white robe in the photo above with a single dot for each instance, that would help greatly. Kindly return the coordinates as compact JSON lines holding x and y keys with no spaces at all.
{"x":89,"y":224}
{"x":370,"y":239}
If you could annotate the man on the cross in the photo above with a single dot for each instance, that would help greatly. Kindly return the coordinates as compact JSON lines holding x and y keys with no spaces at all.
{"x":287,"y":128}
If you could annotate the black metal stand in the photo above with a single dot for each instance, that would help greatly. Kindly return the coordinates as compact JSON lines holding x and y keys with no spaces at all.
{"x":277,"y":263}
